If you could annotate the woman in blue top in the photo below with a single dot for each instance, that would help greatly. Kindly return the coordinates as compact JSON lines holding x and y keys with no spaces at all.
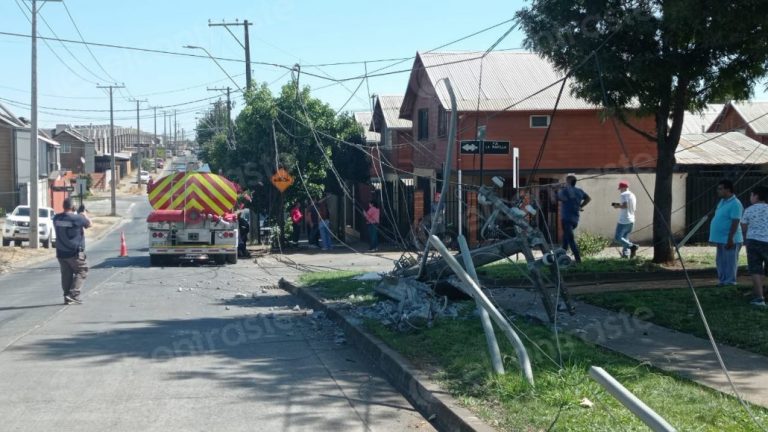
{"x":725,"y":234}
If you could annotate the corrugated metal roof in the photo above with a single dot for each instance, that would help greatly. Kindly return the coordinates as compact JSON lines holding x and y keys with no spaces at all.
{"x":390,"y":109}
{"x":699,"y":122}
{"x":714,"y":148}
{"x":364,"y":119}
{"x":756,"y":113}
{"x":508,"y":81}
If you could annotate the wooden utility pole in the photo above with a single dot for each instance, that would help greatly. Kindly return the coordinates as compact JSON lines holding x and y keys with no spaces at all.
{"x":138,"y":142}
{"x":246,"y":46}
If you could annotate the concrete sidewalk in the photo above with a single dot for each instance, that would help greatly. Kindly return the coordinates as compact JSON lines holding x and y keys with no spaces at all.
{"x":669,"y":350}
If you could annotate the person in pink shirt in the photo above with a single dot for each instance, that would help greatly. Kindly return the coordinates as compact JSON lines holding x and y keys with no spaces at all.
{"x":372,"y":216}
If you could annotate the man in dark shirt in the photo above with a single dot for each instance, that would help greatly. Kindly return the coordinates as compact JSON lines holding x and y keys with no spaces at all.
{"x":70,"y":249}
{"x":572,"y":201}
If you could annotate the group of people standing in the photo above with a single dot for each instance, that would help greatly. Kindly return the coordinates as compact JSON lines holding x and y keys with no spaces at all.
{"x":729,"y":228}
{"x":318,"y":223}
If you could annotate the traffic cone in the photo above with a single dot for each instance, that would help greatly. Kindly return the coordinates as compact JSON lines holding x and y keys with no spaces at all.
{"x":123,"y":246}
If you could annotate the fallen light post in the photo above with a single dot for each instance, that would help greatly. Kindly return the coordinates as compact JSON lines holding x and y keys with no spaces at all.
{"x":630,"y":401}
{"x":517,"y":343}
{"x":490,"y":336}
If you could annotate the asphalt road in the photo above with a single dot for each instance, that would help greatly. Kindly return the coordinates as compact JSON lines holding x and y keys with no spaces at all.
{"x":176,"y":349}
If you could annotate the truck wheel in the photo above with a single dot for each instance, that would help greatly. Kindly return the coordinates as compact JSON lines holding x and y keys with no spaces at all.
{"x":219,"y":259}
{"x":232,"y":258}
{"x":6,"y":242}
{"x":156,"y":260}
{"x":17,"y":243}
{"x":47,"y":244}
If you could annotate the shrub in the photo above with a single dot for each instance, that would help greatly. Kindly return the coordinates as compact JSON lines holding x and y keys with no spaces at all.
{"x":591,"y":244}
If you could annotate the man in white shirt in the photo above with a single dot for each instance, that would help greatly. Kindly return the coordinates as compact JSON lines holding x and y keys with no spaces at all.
{"x":755,"y":224}
{"x":626,"y":205}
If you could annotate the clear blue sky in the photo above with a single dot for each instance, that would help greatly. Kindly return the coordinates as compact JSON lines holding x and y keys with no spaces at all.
{"x":284,"y":32}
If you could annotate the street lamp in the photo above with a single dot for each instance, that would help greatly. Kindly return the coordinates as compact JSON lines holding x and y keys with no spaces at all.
{"x":217,"y":64}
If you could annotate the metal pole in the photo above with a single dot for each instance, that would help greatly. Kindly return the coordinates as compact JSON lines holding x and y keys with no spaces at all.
{"x":138,"y":146}
{"x":247,"y":57}
{"x":446,"y":172}
{"x":154,"y":141}
{"x":629,"y":400}
{"x":112,"y":146}
{"x":461,"y":200}
{"x":34,"y":237}
{"x":485,"y":319}
{"x":522,"y":354}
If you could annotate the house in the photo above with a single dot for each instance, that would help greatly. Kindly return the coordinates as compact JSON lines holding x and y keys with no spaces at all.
{"x":696,"y":122}
{"x":750,"y":118}
{"x":124,"y":142}
{"x":15,"y":161}
{"x":77,"y":151}
{"x":507,"y":99}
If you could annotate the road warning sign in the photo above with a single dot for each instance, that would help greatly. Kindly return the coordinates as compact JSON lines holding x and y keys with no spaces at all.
{"x":282,"y":180}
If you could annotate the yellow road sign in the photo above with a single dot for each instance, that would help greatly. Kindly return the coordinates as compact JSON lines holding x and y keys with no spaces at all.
{"x":282,"y":180}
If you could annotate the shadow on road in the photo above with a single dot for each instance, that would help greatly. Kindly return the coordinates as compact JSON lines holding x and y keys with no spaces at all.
{"x":288,"y":364}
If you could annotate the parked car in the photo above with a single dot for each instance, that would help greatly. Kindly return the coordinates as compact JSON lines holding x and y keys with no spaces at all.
{"x":16,"y":226}
{"x":144,"y":176}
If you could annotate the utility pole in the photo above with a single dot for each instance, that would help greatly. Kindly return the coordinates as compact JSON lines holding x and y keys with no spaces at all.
{"x":246,"y":46}
{"x":113,"y":182}
{"x":138,"y":142}
{"x":154,"y":140}
{"x":175,"y":131}
{"x":34,"y":205}
{"x":230,"y":134}
{"x":165,"y":132}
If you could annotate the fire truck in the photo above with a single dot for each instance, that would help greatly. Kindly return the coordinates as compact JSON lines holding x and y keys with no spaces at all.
{"x":193,"y":219}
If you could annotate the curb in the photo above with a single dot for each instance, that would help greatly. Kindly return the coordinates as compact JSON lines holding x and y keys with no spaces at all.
{"x":440,"y":409}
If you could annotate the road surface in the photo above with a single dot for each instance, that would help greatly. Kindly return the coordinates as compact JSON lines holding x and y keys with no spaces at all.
{"x":176,"y":349}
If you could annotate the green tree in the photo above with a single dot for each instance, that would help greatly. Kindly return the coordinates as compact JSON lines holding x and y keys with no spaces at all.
{"x":658,"y":58}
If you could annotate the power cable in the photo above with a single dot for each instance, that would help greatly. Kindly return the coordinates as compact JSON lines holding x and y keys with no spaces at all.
{"x":668,"y":227}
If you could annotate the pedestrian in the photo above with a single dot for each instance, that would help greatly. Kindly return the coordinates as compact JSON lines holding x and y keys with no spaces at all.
{"x":627,"y":205}
{"x":725,"y":234}
{"x":372,"y":216}
{"x":573,"y":201}
{"x":244,"y":228}
{"x":70,"y":249}
{"x":313,"y":224}
{"x":324,"y":224}
{"x":755,"y":224}
{"x":296,"y":218}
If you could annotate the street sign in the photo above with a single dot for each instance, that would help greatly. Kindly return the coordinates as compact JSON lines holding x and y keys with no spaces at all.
{"x":282,"y":180}
{"x":491,"y":147}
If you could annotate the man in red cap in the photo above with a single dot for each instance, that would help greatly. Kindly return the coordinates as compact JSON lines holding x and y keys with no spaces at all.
{"x":626,"y":205}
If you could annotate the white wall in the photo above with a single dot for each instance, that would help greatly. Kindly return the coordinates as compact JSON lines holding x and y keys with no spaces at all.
{"x":600,"y":218}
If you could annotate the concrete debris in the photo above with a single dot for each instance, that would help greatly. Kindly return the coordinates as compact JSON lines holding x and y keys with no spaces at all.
{"x":240,"y":295}
{"x":411,"y":305}
{"x":368,"y":277}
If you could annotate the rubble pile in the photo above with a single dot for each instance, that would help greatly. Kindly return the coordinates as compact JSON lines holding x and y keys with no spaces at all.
{"x":410,"y":305}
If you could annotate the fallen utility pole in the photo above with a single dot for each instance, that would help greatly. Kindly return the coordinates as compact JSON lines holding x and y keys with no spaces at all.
{"x":113,"y":182}
{"x":630,"y":401}
{"x":517,"y":343}
{"x":485,"y":320}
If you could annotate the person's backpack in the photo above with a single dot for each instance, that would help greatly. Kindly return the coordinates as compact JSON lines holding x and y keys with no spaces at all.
{"x":296,"y":216}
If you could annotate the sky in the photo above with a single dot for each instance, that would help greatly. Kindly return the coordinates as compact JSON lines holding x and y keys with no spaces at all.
{"x":284,"y":32}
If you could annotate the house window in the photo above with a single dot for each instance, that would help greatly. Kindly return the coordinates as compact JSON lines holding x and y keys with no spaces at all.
{"x":442,"y":122}
{"x":66,"y":148}
{"x":423,"y":124}
{"x":539,"y":121}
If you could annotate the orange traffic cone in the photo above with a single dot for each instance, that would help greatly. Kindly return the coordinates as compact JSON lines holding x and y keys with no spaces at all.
{"x":123,"y":246}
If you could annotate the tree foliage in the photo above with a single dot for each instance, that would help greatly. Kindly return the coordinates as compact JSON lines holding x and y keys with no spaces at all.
{"x":292,"y":130}
{"x":658,"y":58}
